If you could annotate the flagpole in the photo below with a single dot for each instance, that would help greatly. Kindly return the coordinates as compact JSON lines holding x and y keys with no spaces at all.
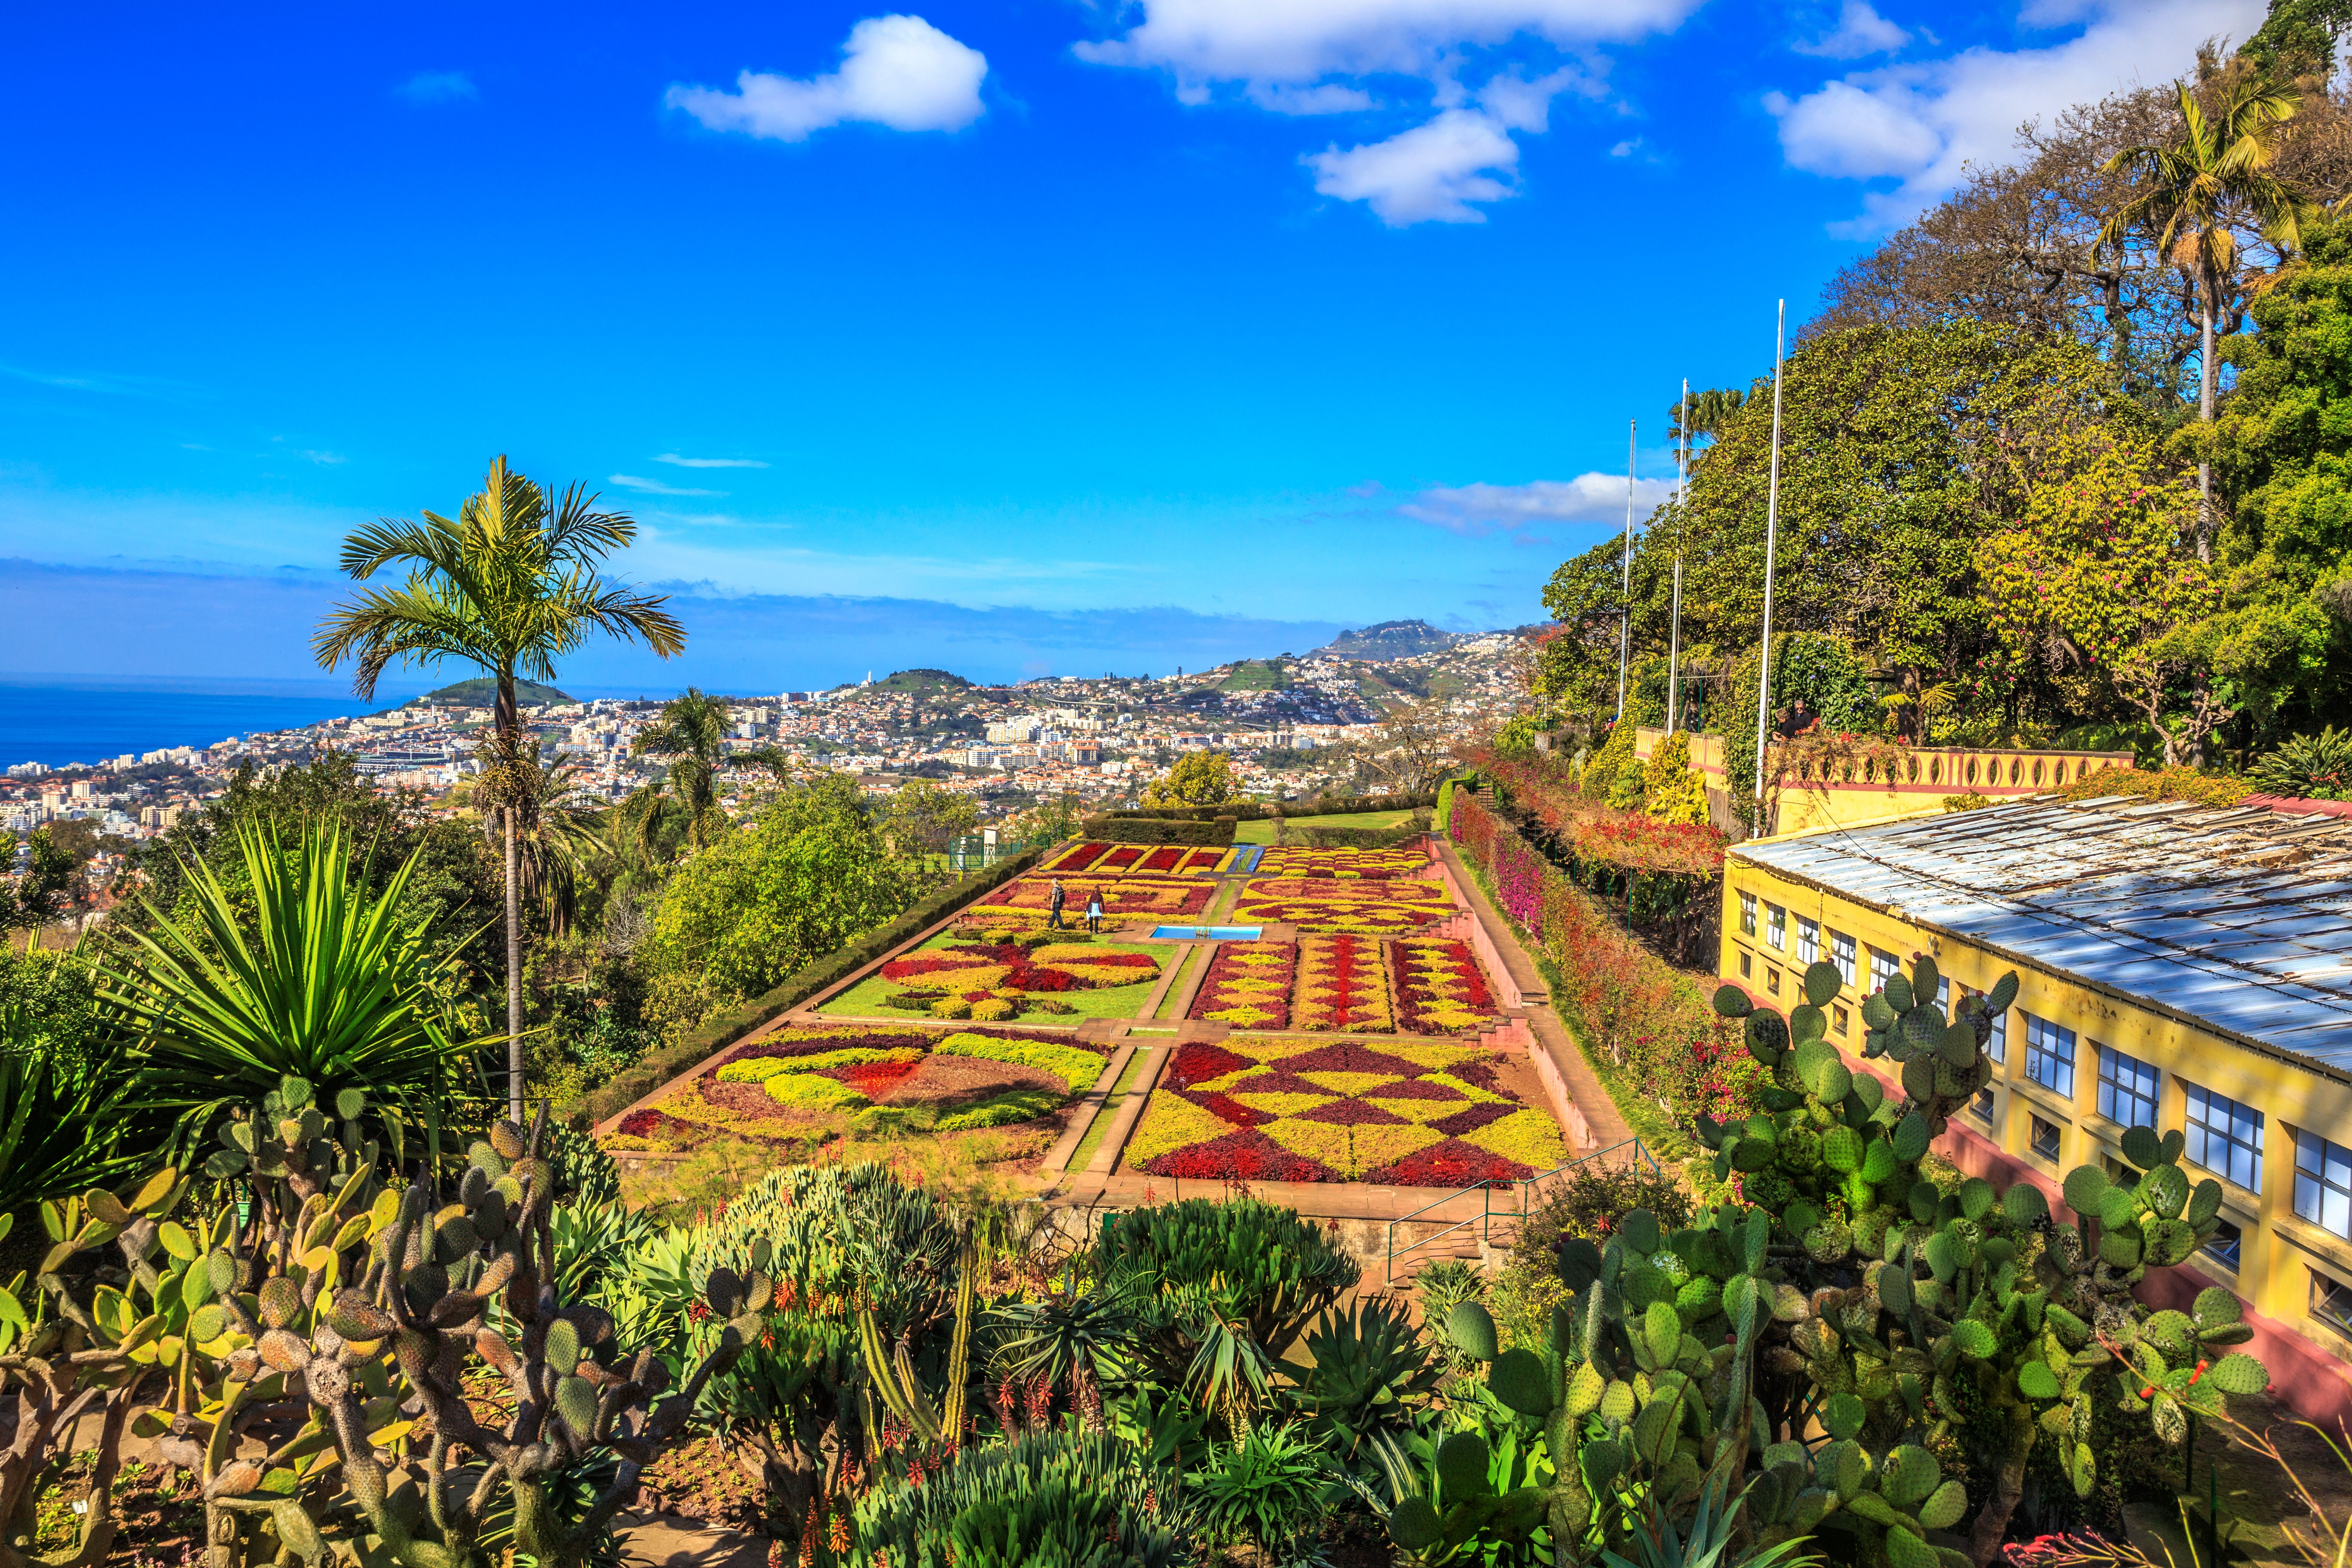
{"x":1625,"y":586}
{"x":1772,"y":543}
{"x":1675,"y":634}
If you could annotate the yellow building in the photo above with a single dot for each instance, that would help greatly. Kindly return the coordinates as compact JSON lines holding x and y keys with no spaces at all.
{"x":2177,"y":966}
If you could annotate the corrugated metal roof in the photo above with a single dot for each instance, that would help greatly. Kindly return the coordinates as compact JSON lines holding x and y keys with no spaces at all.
{"x":2238,"y":919}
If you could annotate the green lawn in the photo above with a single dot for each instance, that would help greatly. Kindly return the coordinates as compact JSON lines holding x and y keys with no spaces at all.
{"x":1083,"y":1154}
{"x":1263,"y":832}
{"x":863,"y":999}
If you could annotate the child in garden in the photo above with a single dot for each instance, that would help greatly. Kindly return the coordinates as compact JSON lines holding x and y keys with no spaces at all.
{"x":1094,"y":911}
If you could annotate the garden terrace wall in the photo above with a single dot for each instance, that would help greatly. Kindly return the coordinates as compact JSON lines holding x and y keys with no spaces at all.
{"x":1159,"y":830}
{"x":715,"y":1034}
{"x":1259,"y":810}
{"x":1632,"y":1009}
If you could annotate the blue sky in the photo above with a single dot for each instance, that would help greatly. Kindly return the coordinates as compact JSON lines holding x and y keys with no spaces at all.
{"x":1137,"y":336}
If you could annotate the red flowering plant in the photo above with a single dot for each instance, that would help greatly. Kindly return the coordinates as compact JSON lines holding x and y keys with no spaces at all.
{"x":1438,"y":987}
{"x":1248,"y":985}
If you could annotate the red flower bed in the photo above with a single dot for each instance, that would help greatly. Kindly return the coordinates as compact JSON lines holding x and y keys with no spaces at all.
{"x":1357,"y":1113}
{"x":641,"y":1123}
{"x":872,"y":1079}
{"x":1235,"y":1112}
{"x":1121,"y":858}
{"x":1202,"y":860}
{"x":1248,"y":1156}
{"x":1265,"y":1004}
{"x":1200,"y":1064}
{"x":1452,"y":1163}
{"x":1425,"y":996}
{"x":1165,"y":859}
{"x":1075,"y":858}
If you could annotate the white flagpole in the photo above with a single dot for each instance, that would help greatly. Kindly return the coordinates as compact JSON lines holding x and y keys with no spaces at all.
{"x":1674,"y":636}
{"x":1772,"y":543}
{"x":1626,"y":585}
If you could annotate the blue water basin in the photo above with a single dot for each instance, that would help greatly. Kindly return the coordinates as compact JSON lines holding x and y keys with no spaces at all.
{"x":1210,"y":933}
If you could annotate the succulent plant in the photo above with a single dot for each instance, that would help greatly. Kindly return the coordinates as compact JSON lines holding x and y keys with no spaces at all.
{"x":368,"y":1302}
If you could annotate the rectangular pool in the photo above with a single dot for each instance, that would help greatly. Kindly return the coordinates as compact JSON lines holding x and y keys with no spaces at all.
{"x":1210,"y":933}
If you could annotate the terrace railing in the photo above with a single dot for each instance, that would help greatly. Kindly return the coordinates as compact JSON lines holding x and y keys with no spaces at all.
{"x":1630,"y":1151}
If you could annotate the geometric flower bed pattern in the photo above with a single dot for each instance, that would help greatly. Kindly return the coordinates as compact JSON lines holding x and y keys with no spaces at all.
{"x":1438,"y":988}
{"x":987,"y":975}
{"x":1369,"y":864}
{"x":1248,"y":985}
{"x":1100,"y":858}
{"x":1343,"y":984}
{"x":1367,"y":909}
{"x":765,"y":1088}
{"x":1416,"y":1115}
{"x":1027,"y":901}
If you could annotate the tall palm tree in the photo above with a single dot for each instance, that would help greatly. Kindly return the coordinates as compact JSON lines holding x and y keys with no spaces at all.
{"x":509,"y":585}
{"x":2192,"y":196}
{"x":691,"y":736}
{"x":553,"y":814}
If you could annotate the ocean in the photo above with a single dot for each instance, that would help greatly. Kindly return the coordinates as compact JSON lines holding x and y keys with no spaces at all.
{"x":56,"y":720}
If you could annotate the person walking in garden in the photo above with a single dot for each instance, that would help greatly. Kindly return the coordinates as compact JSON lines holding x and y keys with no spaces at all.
{"x":1093,"y":911}
{"x":1054,"y":907}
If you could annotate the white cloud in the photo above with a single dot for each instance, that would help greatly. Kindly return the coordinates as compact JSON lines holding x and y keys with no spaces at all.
{"x":1305,"y":41}
{"x":655,"y":487}
{"x":1587,"y":497}
{"x":1430,"y":173}
{"x":898,"y":71}
{"x":439,"y":87}
{"x":1627,"y":148}
{"x":1328,"y":99}
{"x":328,"y":459}
{"x":1921,"y":124}
{"x":1283,"y":53}
{"x":674,"y":459}
{"x":1860,"y":31}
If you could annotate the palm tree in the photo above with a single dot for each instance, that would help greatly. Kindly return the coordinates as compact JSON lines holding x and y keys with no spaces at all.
{"x":510,"y":586}
{"x":2192,"y":197}
{"x":691,"y":735}
{"x":553,"y":816}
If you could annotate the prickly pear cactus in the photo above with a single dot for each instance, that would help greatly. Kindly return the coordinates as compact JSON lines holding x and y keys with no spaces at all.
{"x":1905,"y":1315}
{"x":369,"y":1301}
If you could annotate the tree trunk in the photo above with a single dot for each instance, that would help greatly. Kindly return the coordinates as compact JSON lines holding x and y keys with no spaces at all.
{"x":1992,"y":1522}
{"x":2205,"y":378}
{"x":514,"y":978}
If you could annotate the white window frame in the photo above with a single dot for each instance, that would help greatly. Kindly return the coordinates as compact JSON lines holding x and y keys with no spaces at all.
{"x":1748,"y":914}
{"x":1809,"y":941}
{"x":1776,"y":928}
{"x":2203,"y":1135}
{"x":1842,"y":954}
{"x":2323,"y":1183}
{"x":2116,"y":1087}
{"x":1883,"y":966}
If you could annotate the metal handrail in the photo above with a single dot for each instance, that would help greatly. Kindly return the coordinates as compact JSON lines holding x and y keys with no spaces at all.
{"x":1482,"y":1220}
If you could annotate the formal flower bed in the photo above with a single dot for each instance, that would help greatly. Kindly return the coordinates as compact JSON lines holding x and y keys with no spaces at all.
{"x":1271,"y":1109}
{"x":1248,"y":985}
{"x":1167,"y":858}
{"x":1119,"y":859}
{"x":1027,"y":901}
{"x":1076,"y":857}
{"x":1352,"y":864}
{"x":1343,"y":984}
{"x":1373,"y":916}
{"x":784,"y":1085}
{"x":977,"y":970}
{"x":1334,"y":890}
{"x":1438,"y":988}
{"x":1204,"y":862}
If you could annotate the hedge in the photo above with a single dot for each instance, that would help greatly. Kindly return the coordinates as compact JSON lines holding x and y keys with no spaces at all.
{"x":1358,"y":837}
{"x":714,"y":1035}
{"x":1259,"y":810}
{"x":1158,"y":830}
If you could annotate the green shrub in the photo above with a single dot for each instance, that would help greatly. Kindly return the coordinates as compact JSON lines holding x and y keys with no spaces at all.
{"x":715,"y":1034}
{"x":1075,"y":1067}
{"x":951,"y":1008}
{"x":1214,"y":833}
{"x":994,"y":1010}
{"x":999,"y":1111}
{"x":806,"y":1091}
{"x":2314,"y":767}
{"x":760,"y":1070}
{"x":1271,"y":1489}
{"x":1276,"y":1269}
{"x":584,"y":1173}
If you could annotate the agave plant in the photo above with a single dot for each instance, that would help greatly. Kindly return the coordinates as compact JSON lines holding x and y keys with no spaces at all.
{"x":318,"y":982}
{"x":1369,"y":1374}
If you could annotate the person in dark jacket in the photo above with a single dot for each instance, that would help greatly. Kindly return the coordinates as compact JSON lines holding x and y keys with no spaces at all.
{"x":1054,"y":907}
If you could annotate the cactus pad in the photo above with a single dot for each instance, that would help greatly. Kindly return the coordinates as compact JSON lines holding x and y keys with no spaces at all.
{"x":2215,"y":1307}
{"x":2204,"y":1203}
{"x":1584,"y":1391}
{"x":1904,"y":1549}
{"x":1957,"y":1044}
{"x":1462,"y":1462}
{"x":1732,"y":1002}
{"x":1842,"y":1417}
{"x":2024,"y":1204}
{"x":1519,"y":1379}
{"x":1909,"y":1474}
{"x":281,"y":1298}
{"x":2036,"y":1381}
{"x":562,"y":1346}
{"x":1945,"y":1506}
{"x":2086,"y":1186}
{"x":1414,"y":1525}
{"x":1617,"y":1400}
{"x":2239,"y":1373}
{"x":2142,"y":1147}
{"x":1822,"y":982}
{"x":1842,"y":1150}
{"x":575,"y":1401}
{"x":2166,"y":1191}
{"x":1976,"y":1340}
{"x":1640,"y":1231}
{"x":1472,"y":1329}
{"x":1807,"y":1023}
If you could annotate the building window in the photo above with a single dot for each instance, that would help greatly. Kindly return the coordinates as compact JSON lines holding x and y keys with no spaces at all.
{"x":2127,"y":1088}
{"x":2331,"y":1303}
{"x":1982,"y":1106}
{"x":1771,"y":979}
{"x":2223,"y":1245}
{"x":1748,"y":914}
{"x":1842,"y":954}
{"x":1809,"y":941}
{"x":2225,"y":1137}
{"x":2122,"y":1174}
{"x":1837,"y":1019}
{"x":1944,"y":995}
{"x":1746,"y":965}
{"x":1776,"y":926}
{"x":1882,"y":968}
{"x":2045,"y":1141}
{"x":2323,"y":1183}
{"x":1997,"y":1048}
{"x":2050,"y":1055}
